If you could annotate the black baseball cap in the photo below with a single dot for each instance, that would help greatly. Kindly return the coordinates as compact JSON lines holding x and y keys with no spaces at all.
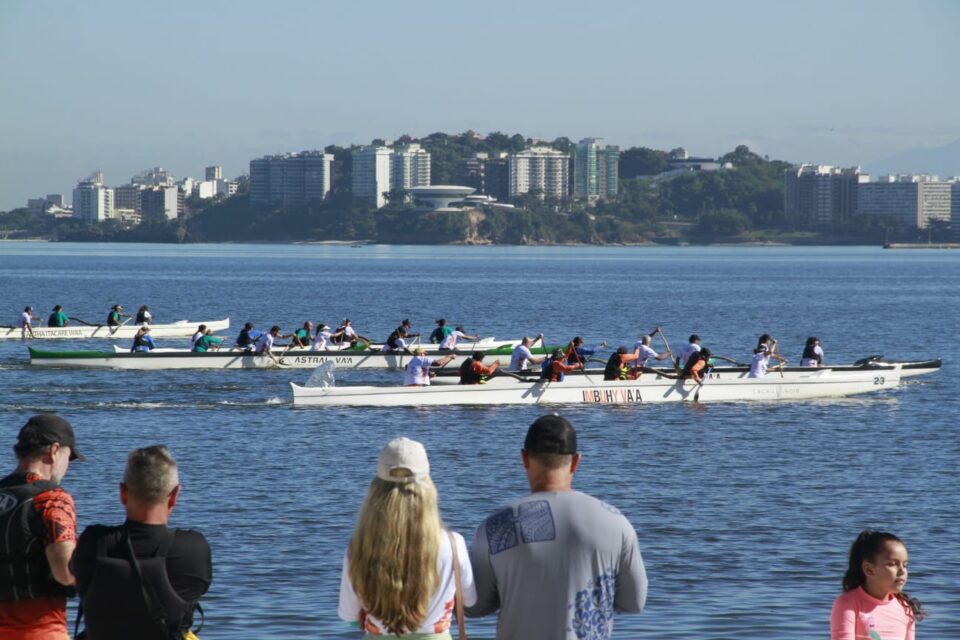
{"x":47,"y":428}
{"x":551,"y":434}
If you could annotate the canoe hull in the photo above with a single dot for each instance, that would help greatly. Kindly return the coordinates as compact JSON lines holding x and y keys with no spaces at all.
{"x":177,"y":329}
{"x":184,"y":359}
{"x":593,"y":391}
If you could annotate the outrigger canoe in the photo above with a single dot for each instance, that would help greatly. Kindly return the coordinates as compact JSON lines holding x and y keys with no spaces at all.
{"x":176,"y":329}
{"x":227,"y":359}
{"x":593,"y":390}
{"x":873,"y":363}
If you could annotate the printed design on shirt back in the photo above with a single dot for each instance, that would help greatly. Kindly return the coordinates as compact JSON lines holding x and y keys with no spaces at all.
{"x":533,"y":522}
{"x":536,"y":521}
{"x":593,"y":609}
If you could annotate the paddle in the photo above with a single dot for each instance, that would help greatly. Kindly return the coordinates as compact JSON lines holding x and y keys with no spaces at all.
{"x":115,"y":327}
{"x":776,"y":347}
{"x":731,"y":361}
{"x":89,"y":324}
{"x":676,"y":365}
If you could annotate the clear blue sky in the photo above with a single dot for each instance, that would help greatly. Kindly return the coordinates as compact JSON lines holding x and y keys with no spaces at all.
{"x":123,"y":86}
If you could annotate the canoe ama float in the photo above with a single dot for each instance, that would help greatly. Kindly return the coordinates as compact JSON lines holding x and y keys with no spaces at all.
{"x":592,"y":390}
{"x":180,"y":328}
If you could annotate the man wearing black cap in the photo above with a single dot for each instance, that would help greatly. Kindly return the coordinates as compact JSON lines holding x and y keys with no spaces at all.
{"x":556,"y":563}
{"x":40,"y":524}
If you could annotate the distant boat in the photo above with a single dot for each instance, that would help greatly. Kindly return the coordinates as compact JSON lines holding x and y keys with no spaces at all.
{"x":179,"y":328}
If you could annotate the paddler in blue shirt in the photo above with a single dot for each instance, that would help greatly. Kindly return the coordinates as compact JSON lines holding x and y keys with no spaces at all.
{"x":143,"y":341}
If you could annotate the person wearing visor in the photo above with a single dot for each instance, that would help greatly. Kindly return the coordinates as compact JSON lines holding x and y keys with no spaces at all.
{"x":403,"y":573}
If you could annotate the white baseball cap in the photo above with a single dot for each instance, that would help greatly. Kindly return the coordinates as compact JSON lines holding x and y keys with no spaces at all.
{"x":403,"y":460}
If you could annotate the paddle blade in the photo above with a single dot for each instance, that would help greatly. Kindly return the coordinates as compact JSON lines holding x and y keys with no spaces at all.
{"x":322,"y":376}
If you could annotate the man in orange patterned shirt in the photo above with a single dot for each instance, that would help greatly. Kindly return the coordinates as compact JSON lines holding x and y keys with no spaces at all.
{"x":40,"y":522}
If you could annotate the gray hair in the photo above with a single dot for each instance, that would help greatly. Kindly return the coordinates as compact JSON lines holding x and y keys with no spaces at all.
{"x":151,"y":474}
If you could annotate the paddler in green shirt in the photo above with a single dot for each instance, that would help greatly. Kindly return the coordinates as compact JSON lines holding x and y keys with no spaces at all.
{"x":207,"y":342}
{"x":113,"y":318}
{"x":58,"y":318}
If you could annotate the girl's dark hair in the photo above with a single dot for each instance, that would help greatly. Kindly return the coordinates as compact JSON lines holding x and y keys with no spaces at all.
{"x":866,"y":547}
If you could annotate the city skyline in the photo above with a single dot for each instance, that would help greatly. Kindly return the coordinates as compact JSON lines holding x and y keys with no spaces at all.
{"x":839,"y":85}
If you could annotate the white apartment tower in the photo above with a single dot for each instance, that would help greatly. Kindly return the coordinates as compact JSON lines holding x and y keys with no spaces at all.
{"x":92,"y":201}
{"x":540,"y":170}
{"x":913,"y":200}
{"x":410,"y":167}
{"x":596,"y":169}
{"x":372,"y":173}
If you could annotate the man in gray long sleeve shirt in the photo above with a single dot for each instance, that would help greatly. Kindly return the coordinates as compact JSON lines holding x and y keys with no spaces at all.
{"x":556,"y":563}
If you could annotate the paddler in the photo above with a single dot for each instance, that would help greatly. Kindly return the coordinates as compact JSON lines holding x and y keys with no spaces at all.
{"x":441,"y":332}
{"x":113,"y":318}
{"x":417,"y":373}
{"x":522,"y":357}
{"x":266,"y":342}
{"x":199,"y":333}
{"x":143,"y":341}
{"x":58,"y":318}
{"x":766,"y":349}
{"x":248,"y":337}
{"x":206,"y":342}
{"x":473,"y":371}
{"x":349,"y":334}
{"x":143,"y":315}
{"x":303,"y":336}
{"x":25,"y":322}
{"x":449,"y":343}
{"x":646,"y":352}
{"x":558,"y":367}
{"x":577,"y":352}
{"x":397,"y":342}
{"x":618,"y":365}
{"x":698,"y":365}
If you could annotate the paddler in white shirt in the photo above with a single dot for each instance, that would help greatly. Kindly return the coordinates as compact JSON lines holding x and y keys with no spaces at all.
{"x":645,"y":352}
{"x":266,"y":341}
{"x":417,"y":373}
{"x":349,"y":334}
{"x":684,"y":354}
{"x":450,"y":342}
{"x":522,"y":357}
{"x":25,"y":322}
{"x":766,"y":347}
{"x":324,"y":338}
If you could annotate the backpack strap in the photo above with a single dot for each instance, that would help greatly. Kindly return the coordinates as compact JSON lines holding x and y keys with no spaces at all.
{"x":150,"y":597}
{"x":458,"y":594}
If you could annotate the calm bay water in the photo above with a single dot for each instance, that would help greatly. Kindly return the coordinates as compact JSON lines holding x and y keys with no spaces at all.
{"x":744,"y":511}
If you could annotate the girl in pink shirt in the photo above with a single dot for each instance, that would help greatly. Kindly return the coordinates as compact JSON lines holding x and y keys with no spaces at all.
{"x":873,"y":605}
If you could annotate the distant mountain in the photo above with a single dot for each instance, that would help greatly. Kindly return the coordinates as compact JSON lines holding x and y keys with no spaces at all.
{"x":940,"y":161}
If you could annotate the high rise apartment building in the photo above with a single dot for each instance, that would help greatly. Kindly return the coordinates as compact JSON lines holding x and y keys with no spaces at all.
{"x":214,"y":172}
{"x":161,"y":203}
{"x":409,"y":167}
{"x":488,"y":173}
{"x":912,"y":200}
{"x":540,"y":170}
{"x":822,"y":194}
{"x":372,"y":168}
{"x":596,"y":169}
{"x":289,"y":180}
{"x":92,"y":201}
{"x":955,"y":208}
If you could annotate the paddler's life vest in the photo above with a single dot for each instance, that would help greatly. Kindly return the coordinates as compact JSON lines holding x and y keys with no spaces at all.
{"x":23,"y":561}
{"x":114,"y":603}
{"x":468,"y":375}
{"x":113,"y":318}
{"x":137,"y":342}
{"x":244,"y":340}
{"x":616,"y":369}
{"x":392,"y":340}
{"x":141,"y":317}
{"x":694,"y":358}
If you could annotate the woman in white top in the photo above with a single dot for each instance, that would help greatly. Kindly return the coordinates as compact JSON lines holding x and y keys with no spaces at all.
{"x":398,"y":573}
{"x":812,"y":353}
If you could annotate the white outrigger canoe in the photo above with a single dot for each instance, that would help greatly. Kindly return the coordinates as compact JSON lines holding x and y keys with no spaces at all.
{"x":506,"y":390}
{"x":177,"y":329}
{"x":163,"y":358}
{"x":873,"y":363}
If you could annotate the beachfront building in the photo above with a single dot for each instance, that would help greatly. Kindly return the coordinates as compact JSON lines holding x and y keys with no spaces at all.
{"x":92,"y":200}
{"x":914,"y":201}
{"x":822,"y":194}
{"x":540,"y":170}
{"x":371,"y":174}
{"x":596,"y":169}
{"x":286,"y":180}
